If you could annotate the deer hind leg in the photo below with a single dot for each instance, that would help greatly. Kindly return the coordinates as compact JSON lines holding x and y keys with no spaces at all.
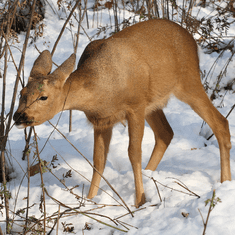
{"x":163,"y":136}
{"x":195,"y":96}
{"x":101,"y":147}
{"x":136,"y":131}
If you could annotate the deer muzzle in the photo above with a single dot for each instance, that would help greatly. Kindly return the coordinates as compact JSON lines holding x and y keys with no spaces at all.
{"x":22,"y":120}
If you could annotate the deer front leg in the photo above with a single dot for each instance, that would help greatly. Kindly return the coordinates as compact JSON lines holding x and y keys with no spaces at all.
{"x":101,"y":147}
{"x":136,"y":131}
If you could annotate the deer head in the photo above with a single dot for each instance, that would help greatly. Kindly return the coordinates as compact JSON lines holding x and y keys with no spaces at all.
{"x":41,"y":99}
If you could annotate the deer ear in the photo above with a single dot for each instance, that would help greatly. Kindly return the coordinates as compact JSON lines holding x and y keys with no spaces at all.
{"x":64,"y":70}
{"x":42,"y":65}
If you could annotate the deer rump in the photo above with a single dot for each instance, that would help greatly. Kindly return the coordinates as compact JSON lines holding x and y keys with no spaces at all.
{"x":129,"y":76}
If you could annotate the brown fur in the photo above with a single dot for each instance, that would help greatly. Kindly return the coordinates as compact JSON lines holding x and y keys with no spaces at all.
{"x":129,"y":76}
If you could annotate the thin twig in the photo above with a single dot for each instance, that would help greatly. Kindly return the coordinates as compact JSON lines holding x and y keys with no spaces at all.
{"x":69,"y":190}
{"x":2,"y":139}
{"x":63,"y":28}
{"x":157,"y":189}
{"x":209,"y":211}
{"x":18,"y":72}
{"x":42,"y":182}
{"x":85,"y":213}
{"x":125,"y":224}
{"x":6,"y":41}
{"x":26,"y":151}
{"x":140,"y":209}
{"x":94,"y":169}
{"x":3,"y":136}
{"x":86,"y":180}
{"x":190,"y":194}
{"x":81,"y":17}
{"x":180,"y":183}
{"x":201,"y":217}
{"x":28,"y":191}
{"x":185,"y":187}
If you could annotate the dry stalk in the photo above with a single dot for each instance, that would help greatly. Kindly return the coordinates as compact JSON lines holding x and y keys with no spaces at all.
{"x":3,"y":131}
{"x":115,"y":16}
{"x":26,"y":151}
{"x":42,"y":182}
{"x":68,"y":189}
{"x":125,"y":205}
{"x":6,"y":197}
{"x":86,"y":33}
{"x":213,"y":201}
{"x":140,"y":209}
{"x":3,"y":145}
{"x":6,"y":41}
{"x":86,"y":179}
{"x":63,"y":28}
{"x":124,"y":224}
{"x":19,"y":69}
{"x":5,"y":136}
{"x":81,"y":17}
{"x":15,"y":4}
{"x":28,"y":189}
{"x":185,"y":187}
{"x":157,"y":189}
{"x":83,"y":213}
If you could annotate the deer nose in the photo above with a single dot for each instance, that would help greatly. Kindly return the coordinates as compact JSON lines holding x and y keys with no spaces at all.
{"x":19,"y":117}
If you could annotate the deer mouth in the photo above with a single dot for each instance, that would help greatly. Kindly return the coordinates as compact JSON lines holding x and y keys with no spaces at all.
{"x":22,"y":125}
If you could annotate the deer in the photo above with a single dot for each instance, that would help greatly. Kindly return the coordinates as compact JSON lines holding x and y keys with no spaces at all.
{"x":128,"y":77}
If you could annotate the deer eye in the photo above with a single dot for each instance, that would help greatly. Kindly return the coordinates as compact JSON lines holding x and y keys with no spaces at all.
{"x":43,"y":98}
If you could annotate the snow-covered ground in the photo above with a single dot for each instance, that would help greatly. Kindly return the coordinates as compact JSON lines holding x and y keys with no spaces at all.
{"x":190,"y":159}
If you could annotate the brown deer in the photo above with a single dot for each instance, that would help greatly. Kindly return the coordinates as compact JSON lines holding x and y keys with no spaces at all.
{"x":129,"y":76}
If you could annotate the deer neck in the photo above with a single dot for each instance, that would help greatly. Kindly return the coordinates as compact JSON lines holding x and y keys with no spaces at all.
{"x":77,"y":94}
